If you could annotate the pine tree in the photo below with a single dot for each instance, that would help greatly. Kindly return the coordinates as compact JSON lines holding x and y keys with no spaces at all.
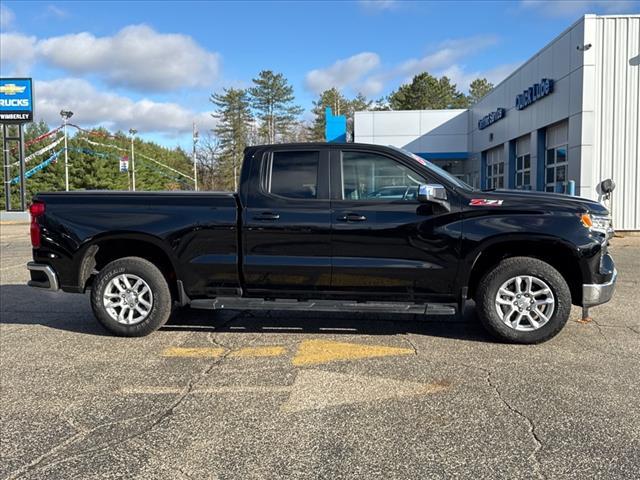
{"x":426,"y":92}
{"x":340,"y":105}
{"x":233,"y":130}
{"x":478,"y":89}
{"x":273,"y":100}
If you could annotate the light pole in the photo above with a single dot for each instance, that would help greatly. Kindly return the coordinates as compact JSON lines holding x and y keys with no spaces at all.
{"x":195,"y":160}
{"x":66,"y":115}
{"x":133,"y":132}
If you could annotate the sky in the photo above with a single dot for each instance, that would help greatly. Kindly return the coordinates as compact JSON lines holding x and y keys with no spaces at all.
{"x":153,"y":65}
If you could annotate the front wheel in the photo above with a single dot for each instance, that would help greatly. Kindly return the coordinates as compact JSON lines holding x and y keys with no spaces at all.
{"x":130,"y":297}
{"x":523,"y":300}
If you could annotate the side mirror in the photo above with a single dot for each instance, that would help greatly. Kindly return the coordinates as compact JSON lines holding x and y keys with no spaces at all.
{"x":433,"y":193}
{"x":607,"y":186}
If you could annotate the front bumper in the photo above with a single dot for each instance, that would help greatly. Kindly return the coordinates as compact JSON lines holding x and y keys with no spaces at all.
{"x":598,"y":293}
{"x":42,"y":276}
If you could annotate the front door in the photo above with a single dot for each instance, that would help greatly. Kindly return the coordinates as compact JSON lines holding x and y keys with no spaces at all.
{"x":386,"y":245}
{"x":287,"y":224}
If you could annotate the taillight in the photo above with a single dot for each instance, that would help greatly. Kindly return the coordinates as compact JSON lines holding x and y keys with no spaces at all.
{"x":36,"y":210}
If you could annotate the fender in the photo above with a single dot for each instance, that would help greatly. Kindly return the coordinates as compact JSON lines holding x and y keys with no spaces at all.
{"x":85,"y":255}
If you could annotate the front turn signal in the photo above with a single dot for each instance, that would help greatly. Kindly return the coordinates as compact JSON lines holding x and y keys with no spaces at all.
{"x":586,"y":220}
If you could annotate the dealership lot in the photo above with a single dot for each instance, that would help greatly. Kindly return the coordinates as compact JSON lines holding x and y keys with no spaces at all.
{"x":294,"y":395}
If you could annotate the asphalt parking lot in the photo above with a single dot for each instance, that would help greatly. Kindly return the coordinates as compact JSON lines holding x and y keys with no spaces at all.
{"x":292,"y":395}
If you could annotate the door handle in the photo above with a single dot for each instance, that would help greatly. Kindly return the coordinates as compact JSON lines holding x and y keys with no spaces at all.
{"x":267,"y":216}
{"x":352,"y":217}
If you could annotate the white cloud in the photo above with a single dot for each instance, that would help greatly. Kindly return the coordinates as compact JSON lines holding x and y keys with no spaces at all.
{"x":17,"y":52}
{"x":57,"y":12}
{"x":92,"y":107}
{"x":574,"y":8}
{"x":463,"y":78}
{"x":445,"y":55}
{"x":136,"y":57}
{"x":343,"y":73}
{"x":7,"y":17}
{"x":378,"y":5}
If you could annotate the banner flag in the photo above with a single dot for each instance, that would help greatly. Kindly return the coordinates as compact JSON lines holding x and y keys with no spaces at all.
{"x":98,"y":144}
{"x":37,"y":168}
{"x":124,"y":164}
{"x":166,"y":166}
{"x":43,"y":150}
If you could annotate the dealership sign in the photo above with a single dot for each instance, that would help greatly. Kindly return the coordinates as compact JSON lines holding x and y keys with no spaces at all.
{"x":124,"y":164}
{"x":534,"y":93}
{"x":16,"y":100}
{"x":491,"y":118}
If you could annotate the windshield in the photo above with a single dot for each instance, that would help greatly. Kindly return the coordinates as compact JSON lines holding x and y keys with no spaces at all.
{"x":436,"y":170}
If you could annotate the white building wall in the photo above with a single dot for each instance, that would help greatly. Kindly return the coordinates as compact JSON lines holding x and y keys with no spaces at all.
{"x":611,"y":120}
{"x":420,"y":131}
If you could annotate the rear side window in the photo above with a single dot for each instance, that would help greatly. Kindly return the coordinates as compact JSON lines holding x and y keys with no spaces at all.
{"x":293,"y":174}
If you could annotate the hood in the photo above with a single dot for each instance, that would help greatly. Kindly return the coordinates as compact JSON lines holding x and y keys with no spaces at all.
{"x":533,"y":200}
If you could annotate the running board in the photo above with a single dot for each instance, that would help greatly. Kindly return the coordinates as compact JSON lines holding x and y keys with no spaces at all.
{"x":237,"y":303}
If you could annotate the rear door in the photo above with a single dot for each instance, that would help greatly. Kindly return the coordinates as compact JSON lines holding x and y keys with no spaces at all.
{"x":386,"y":244}
{"x":287,"y":223}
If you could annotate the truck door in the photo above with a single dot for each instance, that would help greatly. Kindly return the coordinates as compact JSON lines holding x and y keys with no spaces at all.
{"x":386,"y":244}
{"x":287,"y":223}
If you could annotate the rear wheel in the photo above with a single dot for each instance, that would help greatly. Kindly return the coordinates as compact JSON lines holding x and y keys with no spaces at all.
{"x":130,"y":297}
{"x":523,"y":300}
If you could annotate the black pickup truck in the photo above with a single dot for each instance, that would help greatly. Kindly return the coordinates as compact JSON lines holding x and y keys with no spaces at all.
{"x":328,"y":227}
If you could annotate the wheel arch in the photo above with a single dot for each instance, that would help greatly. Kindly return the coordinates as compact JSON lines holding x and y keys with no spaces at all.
{"x":556,"y":252}
{"x":101,"y":250}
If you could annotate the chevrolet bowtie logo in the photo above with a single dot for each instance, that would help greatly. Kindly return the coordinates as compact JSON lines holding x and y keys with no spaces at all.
{"x":11,"y":89}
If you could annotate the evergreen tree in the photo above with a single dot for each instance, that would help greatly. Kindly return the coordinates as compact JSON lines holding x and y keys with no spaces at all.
{"x":340,"y":105}
{"x":478,"y":89}
{"x":233,"y":129}
{"x":273,"y":100}
{"x":329,"y":98}
{"x":426,"y":92}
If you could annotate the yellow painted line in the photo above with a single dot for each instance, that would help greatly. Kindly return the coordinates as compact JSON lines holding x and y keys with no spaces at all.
{"x":313,"y":352}
{"x":193,"y":352}
{"x":272,"y":351}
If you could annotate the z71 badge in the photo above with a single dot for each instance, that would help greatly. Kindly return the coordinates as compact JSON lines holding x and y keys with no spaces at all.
{"x":485,"y":202}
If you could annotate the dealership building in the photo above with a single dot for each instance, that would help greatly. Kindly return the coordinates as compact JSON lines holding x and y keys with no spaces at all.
{"x":568,"y":116}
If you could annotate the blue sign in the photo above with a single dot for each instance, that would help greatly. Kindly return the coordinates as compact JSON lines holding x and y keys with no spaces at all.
{"x":534,"y":93}
{"x":16,"y":100}
{"x":335,"y":129}
{"x":492,"y":117}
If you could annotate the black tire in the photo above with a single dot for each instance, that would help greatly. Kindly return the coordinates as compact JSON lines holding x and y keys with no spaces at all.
{"x":161,"y":305}
{"x":512,"y":267}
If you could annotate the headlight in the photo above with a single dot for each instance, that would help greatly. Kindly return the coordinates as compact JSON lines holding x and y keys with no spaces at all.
{"x":597,"y":223}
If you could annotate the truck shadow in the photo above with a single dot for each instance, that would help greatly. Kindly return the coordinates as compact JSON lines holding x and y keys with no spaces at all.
{"x":22,"y":305}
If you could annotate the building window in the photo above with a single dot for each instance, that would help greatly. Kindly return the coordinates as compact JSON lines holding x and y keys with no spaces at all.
{"x":523,"y":163}
{"x":556,"y":159}
{"x":495,"y":167}
{"x":556,"y":169}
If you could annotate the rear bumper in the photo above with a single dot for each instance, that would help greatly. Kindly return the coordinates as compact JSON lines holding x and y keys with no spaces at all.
{"x":42,"y":276}
{"x":598,"y":293}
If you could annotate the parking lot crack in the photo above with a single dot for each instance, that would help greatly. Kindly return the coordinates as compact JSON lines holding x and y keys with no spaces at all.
{"x":408,"y":339}
{"x":533,"y":457}
{"x":84,"y":434}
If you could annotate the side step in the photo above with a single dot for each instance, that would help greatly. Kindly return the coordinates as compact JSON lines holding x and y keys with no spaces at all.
{"x":238,"y":303}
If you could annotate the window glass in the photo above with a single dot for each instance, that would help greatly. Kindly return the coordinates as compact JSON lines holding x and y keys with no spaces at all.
{"x":367,"y":176}
{"x":551,"y":156}
{"x":294,"y":174}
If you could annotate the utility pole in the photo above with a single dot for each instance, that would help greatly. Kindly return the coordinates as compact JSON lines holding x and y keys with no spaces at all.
{"x":132,"y":132}
{"x":66,"y":115}
{"x":195,"y":159}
